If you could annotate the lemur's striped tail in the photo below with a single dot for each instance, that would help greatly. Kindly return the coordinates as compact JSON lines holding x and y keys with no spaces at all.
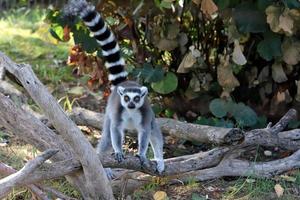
{"x":105,"y":38}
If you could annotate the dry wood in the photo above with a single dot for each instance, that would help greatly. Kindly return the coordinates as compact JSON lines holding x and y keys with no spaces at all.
{"x":216,"y":163}
{"x":96,"y":181}
{"x":236,"y":167}
{"x":34,"y":132}
{"x":38,"y":190}
{"x":188,"y":131}
{"x":7,"y":183}
{"x":7,"y":170}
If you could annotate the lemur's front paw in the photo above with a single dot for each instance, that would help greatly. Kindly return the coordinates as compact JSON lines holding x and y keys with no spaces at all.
{"x":160,"y":166}
{"x":119,"y":156}
{"x":144,"y":161}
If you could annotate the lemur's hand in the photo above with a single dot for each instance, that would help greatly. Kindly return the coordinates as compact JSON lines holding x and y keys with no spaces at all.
{"x":119,"y":156}
{"x":144,"y":161}
{"x":160,"y":166}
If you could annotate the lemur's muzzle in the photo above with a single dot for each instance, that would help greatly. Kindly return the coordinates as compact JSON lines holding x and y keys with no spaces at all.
{"x":131,"y":105}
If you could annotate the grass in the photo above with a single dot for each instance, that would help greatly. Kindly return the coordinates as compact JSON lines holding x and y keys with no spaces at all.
{"x":25,"y":39}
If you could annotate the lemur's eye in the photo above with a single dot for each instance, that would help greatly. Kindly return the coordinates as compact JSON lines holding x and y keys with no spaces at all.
{"x":136,"y":99}
{"x":126,"y":98}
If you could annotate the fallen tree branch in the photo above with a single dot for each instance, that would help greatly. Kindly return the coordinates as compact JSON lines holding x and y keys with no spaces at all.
{"x":236,"y":167}
{"x":213,"y":164}
{"x":96,"y":180}
{"x":271,"y":136}
{"x":188,"y":131}
{"x":7,"y":183}
{"x":38,"y":190}
{"x":34,"y":132}
{"x":7,"y":170}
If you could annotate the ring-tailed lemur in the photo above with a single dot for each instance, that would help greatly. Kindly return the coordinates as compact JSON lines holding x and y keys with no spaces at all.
{"x":127,"y":107}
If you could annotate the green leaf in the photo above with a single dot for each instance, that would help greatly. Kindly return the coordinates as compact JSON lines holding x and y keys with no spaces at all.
{"x":196,"y":196}
{"x":292,"y":3}
{"x":244,"y":115}
{"x":263,"y":4}
{"x":217,"y":107}
{"x":224,"y":123}
{"x":222,"y":4}
{"x":57,"y":32}
{"x":249,"y":19}
{"x":270,"y":47}
{"x":148,"y":73}
{"x":82,"y":36}
{"x":166,"y":85}
{"x":151,"y":74}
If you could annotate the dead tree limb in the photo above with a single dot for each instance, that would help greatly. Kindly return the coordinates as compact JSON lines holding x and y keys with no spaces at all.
{"x":96,"y":181}
{"x":271,"y":136}
{"x":7,"y":183}
{"x":31,"y":130}
{"x":218,"y":162}
{"x":7,"y":170}
{"x":236,"y":167}
{"x":188,"y":131}
{"x":38,"y":190}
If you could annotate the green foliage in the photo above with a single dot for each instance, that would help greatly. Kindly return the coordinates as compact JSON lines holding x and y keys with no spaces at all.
{"x":24,"y":18}
{"x":226,"y":50}
{"x":218,"y":122}
{"x":249,"y":19}
{"x":148,"y":73}
{"x":197,"y":197}
{"x":166,"y":85}
{"x":218,"y":108}
{"x":270,"y":47}
{"x":242,"y":114}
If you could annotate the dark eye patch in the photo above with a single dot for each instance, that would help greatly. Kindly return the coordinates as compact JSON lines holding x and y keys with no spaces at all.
{"x":136,"y":99}
{"x":126,"y":98}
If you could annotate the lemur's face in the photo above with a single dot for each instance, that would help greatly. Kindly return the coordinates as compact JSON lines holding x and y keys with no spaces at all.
{"x":133,"y":97}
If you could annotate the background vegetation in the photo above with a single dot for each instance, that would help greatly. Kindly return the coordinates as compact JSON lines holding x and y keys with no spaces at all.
{"x":231,"y":63}
{"x":238,"y":58}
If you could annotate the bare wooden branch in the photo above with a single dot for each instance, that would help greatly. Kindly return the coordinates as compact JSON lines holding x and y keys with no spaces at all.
{"x":33,"y":131}
{"x":236,"y":167}
{"x":271,"y":136}
{"x":2,"y":72}
{"x":77,"y":154}
{"x":188,"y":131}
{"x":7,"y":170}
{"x":7,"y":183}
{"x":284,"y":121}
{"x":96,"y":180}
{"x":57,"y":193}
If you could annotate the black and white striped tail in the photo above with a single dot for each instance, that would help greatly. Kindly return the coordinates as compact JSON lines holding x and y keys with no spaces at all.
{"x":105,"y":38}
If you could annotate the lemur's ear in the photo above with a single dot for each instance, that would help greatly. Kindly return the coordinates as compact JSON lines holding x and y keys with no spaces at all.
{"x":144,"y":91}
{"x":120,"y":90}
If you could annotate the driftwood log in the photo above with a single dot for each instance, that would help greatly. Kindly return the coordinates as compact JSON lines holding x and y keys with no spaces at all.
{"x":79,"y":163}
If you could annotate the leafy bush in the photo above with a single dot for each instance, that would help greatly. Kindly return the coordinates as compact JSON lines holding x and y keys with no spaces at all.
{"x":246,"y":50}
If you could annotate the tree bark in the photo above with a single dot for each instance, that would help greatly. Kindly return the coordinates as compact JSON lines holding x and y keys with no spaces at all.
{"x":96,"y":181}
{"x":188,"y":131}
{"x":7,"y":183}
{"x":78,"y":160}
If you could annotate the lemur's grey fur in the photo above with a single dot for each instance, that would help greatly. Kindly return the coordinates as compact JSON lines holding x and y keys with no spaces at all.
{"x":127,"y":108}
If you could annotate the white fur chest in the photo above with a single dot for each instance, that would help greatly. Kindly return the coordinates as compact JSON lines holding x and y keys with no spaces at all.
{"x":131,"y":119}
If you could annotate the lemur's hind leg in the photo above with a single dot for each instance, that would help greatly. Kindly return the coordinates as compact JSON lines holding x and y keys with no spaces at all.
{"x":143,"y":140}
{"x":157,"y":142}
{"x":117,"y":138}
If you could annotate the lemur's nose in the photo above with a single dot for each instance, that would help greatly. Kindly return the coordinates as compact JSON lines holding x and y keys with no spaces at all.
{"x":131,"y":105}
